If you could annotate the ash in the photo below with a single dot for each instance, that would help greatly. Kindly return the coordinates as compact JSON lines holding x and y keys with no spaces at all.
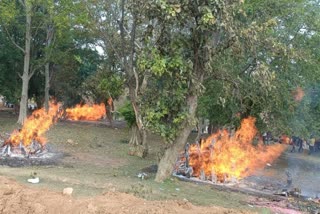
{"x":289,"y":175}
{"x":34,"y":154}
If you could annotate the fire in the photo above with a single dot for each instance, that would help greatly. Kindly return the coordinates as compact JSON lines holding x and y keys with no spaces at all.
{"x":86,"y":112}
{"x":34,"y":127}
{"x":298,"y":94}
{"x":285,"y":139}
{"x":223,"y":156}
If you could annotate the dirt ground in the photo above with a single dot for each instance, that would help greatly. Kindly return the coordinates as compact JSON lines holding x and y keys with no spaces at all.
{"x":16,"y":198}
{"x":105,"y":179}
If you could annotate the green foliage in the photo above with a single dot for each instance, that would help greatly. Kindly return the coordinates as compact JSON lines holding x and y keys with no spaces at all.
{"x":8,"y":11}
{"x":128,"y":113}
{"x":240,"y":57}
{"x":268,"y":62}
{"x":180,"y":60}
{"x":207,"y":17}
{"x":103,"y":84}
{"x":165,"y":112}
{"x":9,"y":63}
{"x":158,"y":65}
{"x":216,"y":107}
{"x":74,"y":70}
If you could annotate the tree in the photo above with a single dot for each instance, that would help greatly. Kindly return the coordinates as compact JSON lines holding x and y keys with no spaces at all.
{"x":61,"y":52}
{"x":26,"y":75}
{"x":26,"y":7}
{"x":49,"y":41}
{"x":224,"y":42}
{"x":190,"y":34}
{"x":292,"y":60}
{"x":120,"y":28}
{"x":9,"y":63}
{"x":10,"y":11}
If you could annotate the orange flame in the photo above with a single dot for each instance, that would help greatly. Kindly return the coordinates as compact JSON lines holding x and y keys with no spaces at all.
{"x":86,"y":112}
{"x":298,"y":94}
{"x":285,"y":139}
{"x":225,"y":156}
{"x":35,"y":126}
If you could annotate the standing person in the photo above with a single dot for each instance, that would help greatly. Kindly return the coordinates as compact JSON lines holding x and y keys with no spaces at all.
{"x":317,"y":146}
{"x":293,"y":143}
{"x":264,"y":138}
{"x":300,"y":144}
{"x":269,"y":137}
{"x":311,"y":144}
{"x":110,"y":110}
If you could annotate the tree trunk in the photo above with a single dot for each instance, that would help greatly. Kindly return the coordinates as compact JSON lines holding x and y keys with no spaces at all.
{"x":47,"y":86}
{"x":171,"y":154}
{"x":136,"y":148}
{"x":201,"y":127}
{"x":133,"y":82}
{"x":25,"y":76}
{"x":47,"y":67}
{"x":139,"y":134}
{"x":109,"y":110}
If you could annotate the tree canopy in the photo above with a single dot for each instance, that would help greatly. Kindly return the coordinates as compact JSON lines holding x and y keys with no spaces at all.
{"x":180,"y":61}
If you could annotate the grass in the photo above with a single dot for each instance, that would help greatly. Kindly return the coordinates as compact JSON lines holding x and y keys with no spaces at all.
{"x":96,"y":161}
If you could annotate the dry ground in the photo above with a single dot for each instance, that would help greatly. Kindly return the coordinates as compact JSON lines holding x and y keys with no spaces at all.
{"x":16,"y":198}
{"x":104,"y":178}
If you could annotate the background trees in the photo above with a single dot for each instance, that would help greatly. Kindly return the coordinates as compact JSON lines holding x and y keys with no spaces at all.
{"x":9,"y":63}
{"x":180,"y":60}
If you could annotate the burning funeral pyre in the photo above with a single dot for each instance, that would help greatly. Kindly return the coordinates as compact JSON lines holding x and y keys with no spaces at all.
{"x":29,"y":140}
{"x":225,"y":157}
{"x":86,"y":112}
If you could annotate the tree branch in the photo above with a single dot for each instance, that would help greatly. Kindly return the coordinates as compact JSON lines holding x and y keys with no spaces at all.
{"x":13,"y":42}
{"x":144,"y":82}
{"x":37,"y":29}
{"x":107,"y":39}
{"x":252,"y":64}
{"x":33,"y":69}
{"x":133,"y":40}
{"x":31,"y":73}
{"x":225,"y":45}
{"x":121,"y":26}
{"x":22,"y":3}
{"x":19,"y":75}
{"x":227,"y":79}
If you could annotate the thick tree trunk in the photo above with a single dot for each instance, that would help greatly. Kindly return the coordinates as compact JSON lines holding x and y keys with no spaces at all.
{"x":171,"y":154}
{"x":25,"y":76}
{"x":136,"y":147}
{"x":24,"y":96}
{"x":139,"y":134}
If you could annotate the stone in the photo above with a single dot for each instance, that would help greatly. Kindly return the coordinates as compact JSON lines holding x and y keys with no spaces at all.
{"x":34,"y":180}
{"x":70,"y":141}
{"x":67,"y":191}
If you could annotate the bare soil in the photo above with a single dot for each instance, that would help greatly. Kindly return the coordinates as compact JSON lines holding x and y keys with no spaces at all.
{"x":16,"y":198}
{"x":105,"y":178}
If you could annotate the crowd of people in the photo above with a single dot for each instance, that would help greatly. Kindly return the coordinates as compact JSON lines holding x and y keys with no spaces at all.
{"x":298,"y":144}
